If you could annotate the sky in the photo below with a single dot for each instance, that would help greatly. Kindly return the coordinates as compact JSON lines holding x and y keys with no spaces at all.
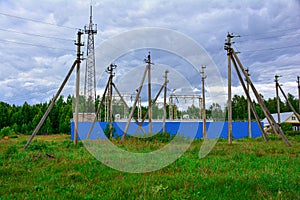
{"x":37,"y":44}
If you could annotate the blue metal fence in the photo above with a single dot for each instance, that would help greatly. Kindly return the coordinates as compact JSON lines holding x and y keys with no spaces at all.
{"x":187,"y":129}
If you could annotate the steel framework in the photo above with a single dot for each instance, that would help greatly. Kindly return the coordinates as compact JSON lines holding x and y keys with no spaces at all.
{"x":90,"y":71}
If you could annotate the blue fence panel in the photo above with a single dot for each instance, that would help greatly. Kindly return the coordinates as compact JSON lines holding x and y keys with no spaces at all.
{"x":187,"y":129}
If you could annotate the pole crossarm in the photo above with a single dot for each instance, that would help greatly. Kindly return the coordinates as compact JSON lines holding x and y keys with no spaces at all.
{"x":187,"y":96}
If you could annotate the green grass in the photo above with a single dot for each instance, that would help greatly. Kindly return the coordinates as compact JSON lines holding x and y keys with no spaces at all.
{"x":247,"y":169}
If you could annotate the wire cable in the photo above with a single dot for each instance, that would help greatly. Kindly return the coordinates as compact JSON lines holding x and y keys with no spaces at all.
{"x":272,"y":48}
{"x":36,"y":45}
{"x":36,"y":35}
{"x":38,"y":21}
{"x":270,"y":37}
{"x":267,"y":32}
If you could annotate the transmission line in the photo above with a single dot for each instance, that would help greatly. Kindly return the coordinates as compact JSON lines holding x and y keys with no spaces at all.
{"x":37,"y":21}
{"x":272,"y":48}
{"x":36,"y":45}
{"x":270,"y":37}
{"x":36,"y":35}
{"x":267,"y":32}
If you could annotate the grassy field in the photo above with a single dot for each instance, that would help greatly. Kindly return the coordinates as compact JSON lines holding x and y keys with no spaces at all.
{"x":247,"y":169}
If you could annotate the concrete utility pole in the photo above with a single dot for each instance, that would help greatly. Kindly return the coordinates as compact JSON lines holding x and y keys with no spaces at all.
{"x":137,"y":97}
{"x":248,"y":97}
{"x":249,"y":108}
{"x":110,"y":70}
{"x":203,"y":102}
{"x":267,"y":113}
{"x":229,"y":103}
{"x":165,"y":100}
{"x":148,"y":61}
{"x":237,"y":63}
{"x":36,"y":130}
{"x":277,"y":98}
{"x":76,"y":63}
{"x":79,"y":55}
{"x":298,"y":81}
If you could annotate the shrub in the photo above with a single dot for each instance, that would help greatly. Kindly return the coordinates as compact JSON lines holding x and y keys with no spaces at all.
{"x":107,"y":131}
{"x":292,"y":133}
{"x":286,"y":127}
{"x":6,"y":131}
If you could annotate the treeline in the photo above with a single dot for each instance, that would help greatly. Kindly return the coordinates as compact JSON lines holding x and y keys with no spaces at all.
{"x":240,"y":107}
{"x":24,"y":119}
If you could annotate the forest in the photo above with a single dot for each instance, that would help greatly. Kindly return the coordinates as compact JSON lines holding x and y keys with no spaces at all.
{"x":23,"y":119}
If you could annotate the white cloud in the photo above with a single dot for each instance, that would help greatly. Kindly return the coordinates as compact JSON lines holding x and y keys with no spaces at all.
{"x":29,"y":72}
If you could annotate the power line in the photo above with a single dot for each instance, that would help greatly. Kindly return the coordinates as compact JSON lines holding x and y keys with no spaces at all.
{"x":272,"y":48}
{"x":36,"y":45}
{"x":36,"y":35}
{"x":265,"y":33}
{"x":270,"y":37}
{"x":38,"y":21}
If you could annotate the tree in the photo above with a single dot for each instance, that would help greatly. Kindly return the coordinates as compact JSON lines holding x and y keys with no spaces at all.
{"x":65,"y":119}
{"x":215,"y":112}
{"x":193,"y":112}
{"x":293,"y":101}
{"x":239,"y":108}
{"x":5,"y":111}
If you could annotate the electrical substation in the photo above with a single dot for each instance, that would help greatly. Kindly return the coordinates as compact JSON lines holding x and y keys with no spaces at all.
{"x":122,"y":113}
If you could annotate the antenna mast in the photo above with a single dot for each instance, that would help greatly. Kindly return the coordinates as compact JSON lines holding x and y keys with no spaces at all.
{"x":90,"y":72}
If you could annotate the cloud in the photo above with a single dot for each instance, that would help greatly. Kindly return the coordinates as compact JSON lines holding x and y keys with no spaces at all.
{"x":28,"y":71}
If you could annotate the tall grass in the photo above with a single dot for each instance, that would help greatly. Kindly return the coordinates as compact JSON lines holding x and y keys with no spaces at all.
{"x":247,"y":169}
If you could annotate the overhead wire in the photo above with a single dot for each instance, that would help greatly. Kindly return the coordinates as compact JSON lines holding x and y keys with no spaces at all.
{"x":36,"y":35}
{"x":269,"y":37}
{"x":36,"y":45}
{"x":273,"y":31}
{"x":38,"y":21}
{"x":281,"y":36}
{"x":272,"y":48}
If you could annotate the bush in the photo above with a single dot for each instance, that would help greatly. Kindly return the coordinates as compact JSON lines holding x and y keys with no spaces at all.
{"x":107,"y":131}
{"x":164,"y":137}
{"x":292,"y":133}
{"x":286,"y":127}
{"x":6,"y":131}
